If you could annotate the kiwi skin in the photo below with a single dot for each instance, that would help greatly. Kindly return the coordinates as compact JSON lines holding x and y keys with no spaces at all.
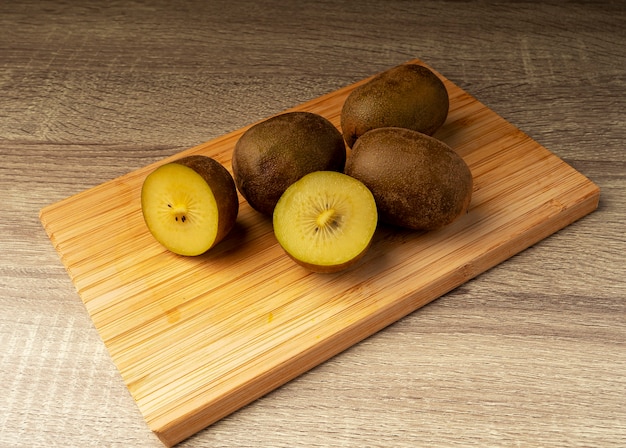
{"x":223,"y":187}
{"x":273,"y":154}
{"x":408,"y":96}
{"x":418,"y":181}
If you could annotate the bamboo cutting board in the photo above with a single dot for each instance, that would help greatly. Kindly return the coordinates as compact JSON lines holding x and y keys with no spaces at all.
{"x":197,"y":338}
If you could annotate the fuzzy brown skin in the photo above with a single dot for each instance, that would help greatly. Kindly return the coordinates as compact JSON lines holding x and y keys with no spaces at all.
{"x":408,"y":96}
{"x":223,"y":187}
{"x":275,"y":153}
{"x":418,"y":182}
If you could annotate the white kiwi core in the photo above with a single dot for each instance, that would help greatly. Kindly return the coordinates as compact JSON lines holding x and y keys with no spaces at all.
{"x":325,"y":219}
{"x":180,"y":209}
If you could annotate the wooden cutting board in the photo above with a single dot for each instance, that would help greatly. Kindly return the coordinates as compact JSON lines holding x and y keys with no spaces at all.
{"x":197,"y":338}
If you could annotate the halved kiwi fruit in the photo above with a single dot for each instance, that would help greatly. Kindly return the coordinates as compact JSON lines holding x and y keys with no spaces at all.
{"x":325,"y":221}
{"x":189,"y":205}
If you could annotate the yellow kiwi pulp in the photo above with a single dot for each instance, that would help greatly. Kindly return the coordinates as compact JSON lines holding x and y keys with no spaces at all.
{"x":325,"y":221}
{"x":189,"y":205}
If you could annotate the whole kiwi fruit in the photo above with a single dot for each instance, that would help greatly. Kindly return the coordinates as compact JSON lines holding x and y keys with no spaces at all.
{"x":408,"y":96}
{"x":418,"y":181}
{"x":273,"y":154}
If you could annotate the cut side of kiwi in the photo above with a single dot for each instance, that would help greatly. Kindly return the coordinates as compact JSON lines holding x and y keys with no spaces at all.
{"x":189,"y":205}
{"x":325,"y":221}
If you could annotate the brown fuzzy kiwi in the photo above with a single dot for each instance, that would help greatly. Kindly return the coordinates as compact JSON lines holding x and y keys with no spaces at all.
{"x":273,"y":154}
{"x":418,"y":181}
{"x":409,"y":96}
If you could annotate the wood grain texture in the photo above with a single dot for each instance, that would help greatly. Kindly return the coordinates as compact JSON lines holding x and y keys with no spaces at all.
{"x":197,"y":338}
{"x":529,"y":353}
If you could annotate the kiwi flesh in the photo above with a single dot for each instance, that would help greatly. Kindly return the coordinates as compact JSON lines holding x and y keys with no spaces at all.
{"x":189,"y":205}
{"x":418,"y":181}
{"x":274,"y":153}
{"x":409,"y":96}
{"x":325,"y":221}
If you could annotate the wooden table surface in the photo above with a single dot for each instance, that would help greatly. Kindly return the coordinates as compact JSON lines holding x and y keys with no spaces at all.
{"x":529,"y":353}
